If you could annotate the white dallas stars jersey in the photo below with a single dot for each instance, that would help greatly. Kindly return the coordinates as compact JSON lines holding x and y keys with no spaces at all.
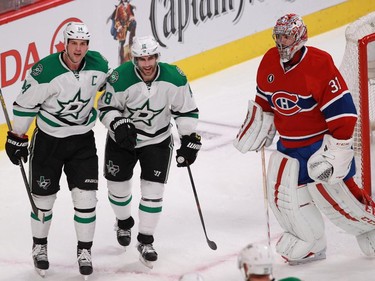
{"x":61,"y":100}
{"x":149,"y":106}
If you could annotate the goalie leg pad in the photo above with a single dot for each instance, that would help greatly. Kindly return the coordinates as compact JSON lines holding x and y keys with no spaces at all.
{"x":293,"y":208}
{"x":366,"y":242}
{"x":342,"y":208}
{"x":345,"y":211}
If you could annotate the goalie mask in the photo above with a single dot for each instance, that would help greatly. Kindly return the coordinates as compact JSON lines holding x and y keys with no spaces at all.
{"x":289,"y":34}
{"x":143,"y":47}
{"x":255,"y":259}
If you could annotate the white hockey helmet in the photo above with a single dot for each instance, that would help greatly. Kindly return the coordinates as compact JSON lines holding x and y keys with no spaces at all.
{"x":290,"y":25}
{"x":191,"y":277}
{"x":144,"y":46}
{"x":76,"y":30}
{"x":255,"y":259}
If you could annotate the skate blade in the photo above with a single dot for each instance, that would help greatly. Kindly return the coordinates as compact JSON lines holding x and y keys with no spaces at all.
{"x":316,"y":257}
{"x":85,"y":277}
{"x":41,"y":272}
{"x":146,"y":263}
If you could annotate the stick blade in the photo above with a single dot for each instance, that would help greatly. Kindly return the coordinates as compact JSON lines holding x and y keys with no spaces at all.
{"x":212,"y":245}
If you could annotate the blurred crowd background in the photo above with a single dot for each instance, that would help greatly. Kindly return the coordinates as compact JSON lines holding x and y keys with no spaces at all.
{"x":12,"y":5}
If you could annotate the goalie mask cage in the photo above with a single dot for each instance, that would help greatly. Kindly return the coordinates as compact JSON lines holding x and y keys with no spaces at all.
{"x":358,"y":69}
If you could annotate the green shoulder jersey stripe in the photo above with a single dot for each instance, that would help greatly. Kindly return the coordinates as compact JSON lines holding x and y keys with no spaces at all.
{"x":172,"y":74}
{"x":47,"y":69}
{"x":123,"y":77}
{"x":50,"y":67}
{"x":95,"y":61}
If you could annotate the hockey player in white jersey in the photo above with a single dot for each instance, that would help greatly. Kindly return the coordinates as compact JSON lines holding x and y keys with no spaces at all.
{"x":59,"y":92}
{"x":256,"y":263}
{"x":141,"y":98}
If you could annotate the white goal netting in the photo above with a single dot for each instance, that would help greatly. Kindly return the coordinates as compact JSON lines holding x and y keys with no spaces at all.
{"x":358,"y":69}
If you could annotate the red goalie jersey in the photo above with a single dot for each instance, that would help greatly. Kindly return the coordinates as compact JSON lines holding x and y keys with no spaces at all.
{"x":308,"y":100}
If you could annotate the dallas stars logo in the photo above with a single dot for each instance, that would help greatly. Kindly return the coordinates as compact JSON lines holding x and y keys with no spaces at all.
{"x":144,"y":114}
{"x":73,"y":107}
{"x":43,"y":182}
{"x":112,"y":169}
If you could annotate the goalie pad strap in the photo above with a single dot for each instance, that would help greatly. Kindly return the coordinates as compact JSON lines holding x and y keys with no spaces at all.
{"x":342,"y":208}
{"x":293,"y":208}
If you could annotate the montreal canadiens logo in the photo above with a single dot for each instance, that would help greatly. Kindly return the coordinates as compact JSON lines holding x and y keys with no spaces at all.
{"x":286,"y":103}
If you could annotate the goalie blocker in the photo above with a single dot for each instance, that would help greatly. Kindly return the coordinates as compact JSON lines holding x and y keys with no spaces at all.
{"x":295,"y":208}
{"x":257,"y":130}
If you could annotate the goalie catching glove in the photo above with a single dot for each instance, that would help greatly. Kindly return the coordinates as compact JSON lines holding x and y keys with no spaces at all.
{"x":187,"y":153}
{"x":332,"y":161}
{"x":16,"y":147}
{"x":124,"y":132}
{"x":257,"y":130}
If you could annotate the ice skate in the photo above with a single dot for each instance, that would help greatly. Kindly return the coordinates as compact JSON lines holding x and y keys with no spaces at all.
{"x":310,"y":258}
{"x":123,"y":236}
{"x":40,"y":258}
{"x":84,"y":262}
{"x":147,"y":254}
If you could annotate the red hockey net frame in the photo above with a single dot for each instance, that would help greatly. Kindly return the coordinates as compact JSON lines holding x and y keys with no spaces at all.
{"x":365,"y":123}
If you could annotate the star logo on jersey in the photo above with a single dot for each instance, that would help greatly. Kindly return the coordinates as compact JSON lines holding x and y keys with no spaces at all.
{"x":112,"y":169}
{"x":73,"y":107}
{"x":144,"y":114}
{"x":43,"y":182}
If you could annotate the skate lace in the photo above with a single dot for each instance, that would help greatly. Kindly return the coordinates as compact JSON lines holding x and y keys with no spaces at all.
{"x":147,"y":248}
{"x":123,"y":232}
{"x":40,"y":252}
{"x":84,"y":257}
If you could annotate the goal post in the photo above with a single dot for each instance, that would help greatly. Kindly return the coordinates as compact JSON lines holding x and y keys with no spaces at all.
{"x":358,"y":69}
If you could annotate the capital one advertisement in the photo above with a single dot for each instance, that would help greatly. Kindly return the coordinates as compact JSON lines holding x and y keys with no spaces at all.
{"x":183,"y":29}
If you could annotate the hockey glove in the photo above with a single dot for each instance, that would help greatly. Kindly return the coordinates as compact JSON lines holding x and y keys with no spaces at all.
{"x":16,"y":147}
{"x":125,"y":132}
{"x":332,"y":161}
{"x":188,"y":151}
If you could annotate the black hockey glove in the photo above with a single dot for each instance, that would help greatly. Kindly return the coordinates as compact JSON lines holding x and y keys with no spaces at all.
{"x":188,"y":151}
{"x":16,"y":148}
{"x":125,"y":132}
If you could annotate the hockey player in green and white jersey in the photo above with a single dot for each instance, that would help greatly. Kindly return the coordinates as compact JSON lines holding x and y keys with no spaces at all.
{"x":256,"y":263}
{"x":60,"y":92}
{"x":141,"y":98}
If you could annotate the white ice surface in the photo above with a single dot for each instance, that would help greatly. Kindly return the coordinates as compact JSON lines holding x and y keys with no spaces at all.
{"x":229,"y":186}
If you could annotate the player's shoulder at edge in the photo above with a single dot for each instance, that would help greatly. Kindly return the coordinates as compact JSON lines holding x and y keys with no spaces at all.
{"x":48,"y":68}
{"x":172,"y":73}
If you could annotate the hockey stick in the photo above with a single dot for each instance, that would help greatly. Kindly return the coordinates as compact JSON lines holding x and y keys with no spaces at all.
{"x":265,"y":196}
{"x":210,"y":243}
{"x":35,"y":209}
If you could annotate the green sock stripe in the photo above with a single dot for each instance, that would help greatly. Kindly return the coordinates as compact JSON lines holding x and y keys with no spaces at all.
{"x":84,"y":220}
{"x":46,"y":218}
{"x":120,"y":203}
{"x":149,"y":209}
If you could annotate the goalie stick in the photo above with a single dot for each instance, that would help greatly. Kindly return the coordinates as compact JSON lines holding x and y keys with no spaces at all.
{"x":264,"y":176}
{"x":36,"y":211}
{"x":210,"y":243}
